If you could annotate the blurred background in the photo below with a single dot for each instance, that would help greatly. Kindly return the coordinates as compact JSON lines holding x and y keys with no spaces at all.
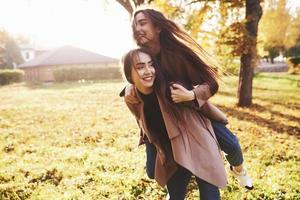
{"x":66,"y":134}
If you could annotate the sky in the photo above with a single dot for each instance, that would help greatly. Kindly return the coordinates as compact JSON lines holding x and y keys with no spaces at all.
{"x":101,"y":26}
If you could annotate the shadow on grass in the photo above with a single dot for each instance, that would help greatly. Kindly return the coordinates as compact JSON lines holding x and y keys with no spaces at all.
{"x":280,"y":103}
{"x":269,"y":100}
{"x":260,"y":108}
{"x":273,"y":125}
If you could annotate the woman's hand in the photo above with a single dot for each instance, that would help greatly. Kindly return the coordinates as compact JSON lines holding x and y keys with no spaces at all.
{"x":181,"y":94}
{"x":130,"y":95}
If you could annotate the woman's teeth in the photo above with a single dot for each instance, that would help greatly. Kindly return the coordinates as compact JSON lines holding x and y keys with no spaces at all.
{"x":148,"y":78}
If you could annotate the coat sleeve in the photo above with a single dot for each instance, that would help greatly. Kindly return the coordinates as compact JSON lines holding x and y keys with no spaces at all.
{"x":213,"y":113}
{"x":134,"y":109}
{"x":202,"y":94}
{"x":122,"y":93}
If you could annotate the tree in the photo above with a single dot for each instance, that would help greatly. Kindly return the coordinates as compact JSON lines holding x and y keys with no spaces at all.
{"x":10,"y":54}
{"x":13,"y":54}
{"x":248,"y":57}
{"x":278,"y":29}
{"x":293,"y":32}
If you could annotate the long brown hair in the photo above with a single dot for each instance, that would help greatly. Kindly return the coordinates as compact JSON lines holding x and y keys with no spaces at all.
{"x":181,"y":57}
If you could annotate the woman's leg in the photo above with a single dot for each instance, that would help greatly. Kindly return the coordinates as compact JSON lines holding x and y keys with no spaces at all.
{"x":177,"y":184}
{"x":150,"y":159}
{"x":230,"y":145}
{"x":207,"y":190}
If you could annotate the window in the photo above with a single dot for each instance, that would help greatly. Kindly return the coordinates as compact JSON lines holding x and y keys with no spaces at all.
{"x":27,"y":55}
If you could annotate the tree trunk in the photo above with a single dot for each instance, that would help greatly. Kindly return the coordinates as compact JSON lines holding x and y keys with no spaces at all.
{"x":248,"y":59}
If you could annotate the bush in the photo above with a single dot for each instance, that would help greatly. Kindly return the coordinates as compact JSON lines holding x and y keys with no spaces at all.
{"x":74,"y":74}
{"x":8,"y":76}
{"x":294,"y":65}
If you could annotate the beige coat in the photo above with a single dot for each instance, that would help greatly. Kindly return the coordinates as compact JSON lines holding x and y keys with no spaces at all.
{"x":194,"y":147}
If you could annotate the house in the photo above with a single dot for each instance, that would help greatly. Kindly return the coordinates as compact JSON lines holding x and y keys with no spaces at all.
{"x":29,"y":51}
{"x":41,"y":67}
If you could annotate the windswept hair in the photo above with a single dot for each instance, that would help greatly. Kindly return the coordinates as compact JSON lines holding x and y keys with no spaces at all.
{"x":181,"y":57}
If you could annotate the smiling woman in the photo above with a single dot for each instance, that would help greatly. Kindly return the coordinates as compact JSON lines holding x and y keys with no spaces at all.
{"x":143,"y":73}
{"x":86,"y":24}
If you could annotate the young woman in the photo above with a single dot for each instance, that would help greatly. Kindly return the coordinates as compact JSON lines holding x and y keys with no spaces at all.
{"x":181,"y":60}
{"x":185,"y":144}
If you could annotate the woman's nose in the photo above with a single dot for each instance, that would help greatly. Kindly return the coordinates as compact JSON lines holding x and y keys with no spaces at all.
{"x":138,"y":27}
{"x":147,"y":69}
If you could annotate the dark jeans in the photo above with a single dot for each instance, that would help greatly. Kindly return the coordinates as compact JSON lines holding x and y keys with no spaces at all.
{"x":178,"y":183}
{"x":228,"y":143}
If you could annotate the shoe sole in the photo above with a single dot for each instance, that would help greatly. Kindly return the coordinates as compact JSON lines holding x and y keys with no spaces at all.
{"x":249,"y":188}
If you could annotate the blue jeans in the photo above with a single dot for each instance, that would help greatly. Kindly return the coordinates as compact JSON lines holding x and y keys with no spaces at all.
{"x":227,"y":141}
{"x":178,"y":182}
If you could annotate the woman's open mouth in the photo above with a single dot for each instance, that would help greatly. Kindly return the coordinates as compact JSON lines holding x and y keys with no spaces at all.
{"x":148,"y":78}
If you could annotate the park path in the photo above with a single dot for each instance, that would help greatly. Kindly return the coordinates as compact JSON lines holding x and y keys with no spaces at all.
{"x":269,"y":67}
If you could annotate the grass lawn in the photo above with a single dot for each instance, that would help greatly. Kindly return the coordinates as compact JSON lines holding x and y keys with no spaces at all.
{"x":79,"y":141}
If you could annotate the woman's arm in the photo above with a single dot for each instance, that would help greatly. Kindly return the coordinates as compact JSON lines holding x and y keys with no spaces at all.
{"x":200,"y":94}
{"x":134,"y":109}
{"x":129,"y":94}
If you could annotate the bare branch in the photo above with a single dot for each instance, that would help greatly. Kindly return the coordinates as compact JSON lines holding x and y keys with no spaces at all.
{"x":127,"y":5}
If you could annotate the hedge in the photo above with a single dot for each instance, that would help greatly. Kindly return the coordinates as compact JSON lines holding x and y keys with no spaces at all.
{"x":78,"y":73}
{"x":8,"y":76}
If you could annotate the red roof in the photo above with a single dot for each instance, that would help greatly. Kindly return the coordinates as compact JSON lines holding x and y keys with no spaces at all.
{"x":68,"y":55}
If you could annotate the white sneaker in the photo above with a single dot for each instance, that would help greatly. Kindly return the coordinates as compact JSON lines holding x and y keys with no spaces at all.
{"x":168,"y":197}
{"x":242,"y":177}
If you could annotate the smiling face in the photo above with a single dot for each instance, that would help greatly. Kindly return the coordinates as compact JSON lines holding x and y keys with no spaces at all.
{"x":143,"y":73}
{"x":145,"y":31}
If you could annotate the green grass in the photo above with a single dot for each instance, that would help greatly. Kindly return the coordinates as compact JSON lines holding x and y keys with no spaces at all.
{"x":79,"y":141}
